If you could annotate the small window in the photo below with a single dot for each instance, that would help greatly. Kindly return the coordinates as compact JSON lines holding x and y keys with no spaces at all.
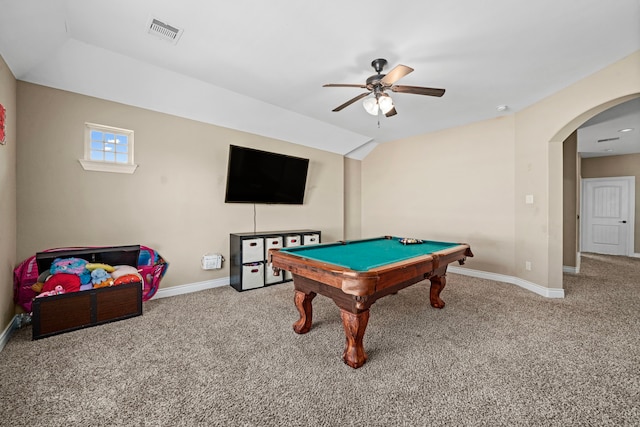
{"x":108,"y":149}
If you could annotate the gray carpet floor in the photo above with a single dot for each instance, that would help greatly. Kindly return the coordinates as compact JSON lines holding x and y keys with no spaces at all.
{"x":496,"y":355}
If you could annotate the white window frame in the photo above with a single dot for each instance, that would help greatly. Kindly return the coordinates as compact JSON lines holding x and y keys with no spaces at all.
{"x":107,"y":166}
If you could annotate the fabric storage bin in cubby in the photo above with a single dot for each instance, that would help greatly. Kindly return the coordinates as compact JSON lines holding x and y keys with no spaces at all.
{"x":272,"y":242}
{"x":310,"y":239}
{"x":292,"y":240}
{"x":252,"y":250}
{"x":253,"y":275}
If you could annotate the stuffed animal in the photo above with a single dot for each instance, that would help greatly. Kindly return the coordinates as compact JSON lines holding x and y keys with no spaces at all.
{"x":37,"y":287}
{"x":56,"y":291}
{"x":100,"y":278}
{"x":95,"y":265}
{"x":122,"y":270}
{"x":75,"y":266}
{"x":127,"y":278}
{"x":68,"y":282}
{"x":44,"y":276}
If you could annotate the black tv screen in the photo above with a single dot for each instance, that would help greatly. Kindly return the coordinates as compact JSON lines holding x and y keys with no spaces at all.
{"x":256,"y":176}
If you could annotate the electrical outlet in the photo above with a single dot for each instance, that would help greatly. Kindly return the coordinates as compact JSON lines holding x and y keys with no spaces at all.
{"x":527,"y":265}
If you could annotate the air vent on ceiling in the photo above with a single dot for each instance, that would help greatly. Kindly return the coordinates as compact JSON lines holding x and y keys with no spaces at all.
{"x":608,"y":139}
{"x":164,"y":31}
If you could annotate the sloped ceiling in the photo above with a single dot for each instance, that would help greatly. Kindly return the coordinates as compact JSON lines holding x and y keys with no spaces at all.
{"x":259,"y":66}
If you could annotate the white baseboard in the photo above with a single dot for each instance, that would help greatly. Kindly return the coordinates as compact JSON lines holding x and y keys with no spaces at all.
{"x":576,"y":270}
{"x":191,"y":287}
{"x":8,"y":331}
{"x":570,"y":269}
{"x":540,"y":290}
{"x":530,"y":286}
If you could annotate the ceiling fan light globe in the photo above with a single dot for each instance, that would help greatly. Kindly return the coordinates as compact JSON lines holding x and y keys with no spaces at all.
{"x":371,"y":106}
{"x":386,"y":103}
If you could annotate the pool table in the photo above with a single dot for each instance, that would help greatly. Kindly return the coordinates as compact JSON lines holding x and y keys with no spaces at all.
{"x":356,"y":273}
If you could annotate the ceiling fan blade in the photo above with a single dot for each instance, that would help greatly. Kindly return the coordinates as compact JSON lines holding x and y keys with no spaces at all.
{"x":398,"y":72}
{"x":351,"y":101}
{"x":418,"y":90}
{"x":344,"y":85}
{"x":392,"y":112}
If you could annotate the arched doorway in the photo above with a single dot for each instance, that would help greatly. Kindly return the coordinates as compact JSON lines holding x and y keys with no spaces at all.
{"x":567,"y":136}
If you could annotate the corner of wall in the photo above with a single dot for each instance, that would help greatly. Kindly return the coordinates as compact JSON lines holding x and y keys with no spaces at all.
{"x":8,"y":194}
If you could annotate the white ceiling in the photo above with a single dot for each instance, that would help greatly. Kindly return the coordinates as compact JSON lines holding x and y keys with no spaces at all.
{"x":259,"y":66}
{"x":613,"y":132}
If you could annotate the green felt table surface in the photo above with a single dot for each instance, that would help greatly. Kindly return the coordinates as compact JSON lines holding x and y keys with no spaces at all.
{"x":366,"y":254}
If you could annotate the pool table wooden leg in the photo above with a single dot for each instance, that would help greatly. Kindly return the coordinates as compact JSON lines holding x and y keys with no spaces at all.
{"x":354,"y":327}
{"x":303,"y":304}
{"x":437,"y":285}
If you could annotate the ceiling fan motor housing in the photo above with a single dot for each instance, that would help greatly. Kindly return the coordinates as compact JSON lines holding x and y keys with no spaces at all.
{"x":378,"y":64}
{"x":374,"y":82}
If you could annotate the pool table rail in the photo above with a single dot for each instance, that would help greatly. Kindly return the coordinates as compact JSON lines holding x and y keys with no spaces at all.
{"x":333,"y":275}
{"x":363,"y":283}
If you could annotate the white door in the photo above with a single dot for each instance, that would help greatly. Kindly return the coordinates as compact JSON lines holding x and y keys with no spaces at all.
{"x":608,"y":206}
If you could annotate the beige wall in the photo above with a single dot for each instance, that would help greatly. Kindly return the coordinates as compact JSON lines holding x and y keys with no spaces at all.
{"x":470,"y":183}
{"x":352,"y":199}
{"x":454,"y":185}
{"x":611,"y":166}
{"x":174,"y":202}
{"x":7,"y":196}
{"x":570,"y":198}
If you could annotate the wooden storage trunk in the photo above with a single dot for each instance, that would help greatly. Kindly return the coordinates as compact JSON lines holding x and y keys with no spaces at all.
{"x":56,"y":314}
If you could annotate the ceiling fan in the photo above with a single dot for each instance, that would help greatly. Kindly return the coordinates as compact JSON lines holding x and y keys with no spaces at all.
{"x":378,"y":84}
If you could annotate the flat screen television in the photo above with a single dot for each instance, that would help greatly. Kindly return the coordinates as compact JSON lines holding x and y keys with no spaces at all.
{"x":256,"y":176}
